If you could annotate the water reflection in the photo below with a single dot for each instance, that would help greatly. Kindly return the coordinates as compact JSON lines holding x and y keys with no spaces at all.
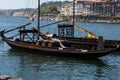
{"x":35,"y":67}
{"x":35,"y":57}
{"x":32,"y":66}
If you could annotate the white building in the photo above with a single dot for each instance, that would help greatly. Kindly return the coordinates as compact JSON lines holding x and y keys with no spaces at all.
{"x":67,"y":9}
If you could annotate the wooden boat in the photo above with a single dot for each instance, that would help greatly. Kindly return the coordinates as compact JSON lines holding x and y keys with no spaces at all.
{"x":54,"y":46}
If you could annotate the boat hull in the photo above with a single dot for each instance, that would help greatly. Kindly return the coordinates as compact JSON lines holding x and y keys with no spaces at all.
{"x":56,"y":52}
{"x":93,"y":41}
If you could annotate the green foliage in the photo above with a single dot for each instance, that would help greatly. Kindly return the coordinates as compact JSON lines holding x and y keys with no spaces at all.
{"x":55,"y":3}
{"x":52,"y":7}
{"x":49,"y":9}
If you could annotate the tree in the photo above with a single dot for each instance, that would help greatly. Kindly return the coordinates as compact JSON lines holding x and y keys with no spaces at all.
{"x":49,"y":9}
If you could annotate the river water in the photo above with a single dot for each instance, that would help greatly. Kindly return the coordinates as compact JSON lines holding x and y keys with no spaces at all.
{"x":31,"y":66}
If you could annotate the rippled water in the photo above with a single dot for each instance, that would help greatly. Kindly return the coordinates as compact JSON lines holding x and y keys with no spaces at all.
{"x":31,"y":66}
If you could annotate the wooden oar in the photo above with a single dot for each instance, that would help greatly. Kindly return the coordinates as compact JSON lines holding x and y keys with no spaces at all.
{"x":17,"y":27}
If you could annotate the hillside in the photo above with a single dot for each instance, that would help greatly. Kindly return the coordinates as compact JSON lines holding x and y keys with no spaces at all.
{"x":11,"y":12}
{"x":52,"y":7}
{"x":47,"y":7}
{"x":55,"y":3}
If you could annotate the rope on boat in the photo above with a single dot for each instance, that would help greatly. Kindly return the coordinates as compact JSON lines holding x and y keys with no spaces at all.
{"x":54,"y":39}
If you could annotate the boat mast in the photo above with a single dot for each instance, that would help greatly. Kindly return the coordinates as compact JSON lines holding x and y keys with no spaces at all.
{"x":73,"y":12}
{"x":73,"y":17}
{"x":38,"y":19}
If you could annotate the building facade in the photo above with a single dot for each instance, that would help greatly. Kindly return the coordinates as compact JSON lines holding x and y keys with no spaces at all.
{"x":92,"y":7}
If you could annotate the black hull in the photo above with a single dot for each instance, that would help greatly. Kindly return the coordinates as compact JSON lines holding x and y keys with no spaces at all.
{"x":46,"y":51}
{"x":95,"y":55}
{"x":93,"y":41}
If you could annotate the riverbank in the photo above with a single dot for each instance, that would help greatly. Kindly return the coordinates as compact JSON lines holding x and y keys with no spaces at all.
{"x":100,"y":19}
